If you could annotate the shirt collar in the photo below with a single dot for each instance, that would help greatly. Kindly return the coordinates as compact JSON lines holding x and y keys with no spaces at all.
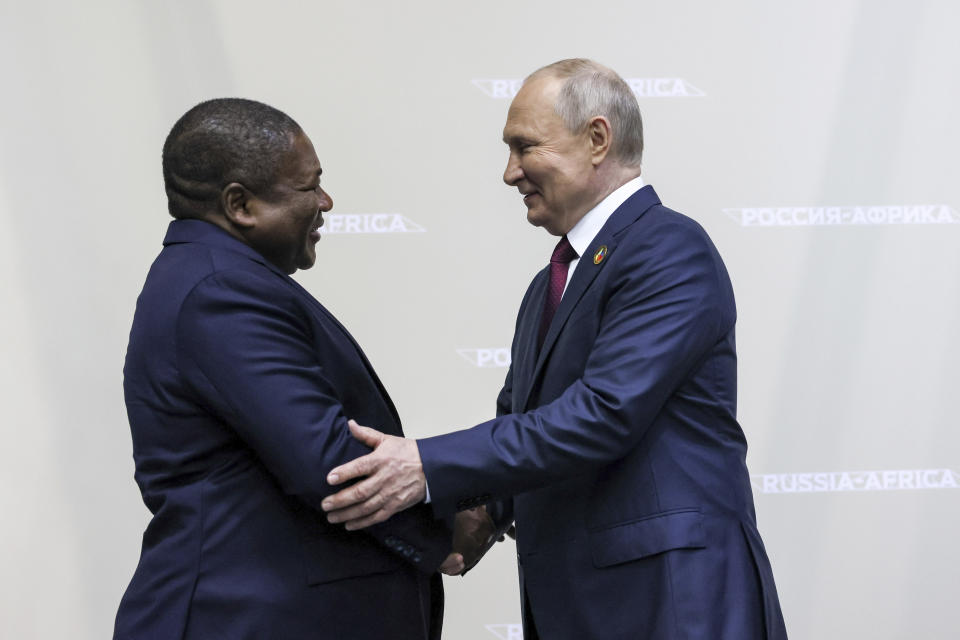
{"x":590,"y":224}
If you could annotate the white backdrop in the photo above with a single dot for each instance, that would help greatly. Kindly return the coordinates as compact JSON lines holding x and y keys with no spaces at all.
{"x":815,"y":141}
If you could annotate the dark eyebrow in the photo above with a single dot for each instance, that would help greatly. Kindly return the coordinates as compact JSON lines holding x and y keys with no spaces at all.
{"x":517,"y":140}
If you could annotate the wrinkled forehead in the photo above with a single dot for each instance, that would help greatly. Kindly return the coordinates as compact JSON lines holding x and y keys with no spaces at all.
{"x":533,"y":107}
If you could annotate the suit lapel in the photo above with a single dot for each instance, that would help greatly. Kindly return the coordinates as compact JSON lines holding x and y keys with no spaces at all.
{"x":324,"y":313}
{"x":586,"y":272}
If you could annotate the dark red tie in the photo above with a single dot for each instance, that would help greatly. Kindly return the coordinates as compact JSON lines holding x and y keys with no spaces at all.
{"x":559,"y":265}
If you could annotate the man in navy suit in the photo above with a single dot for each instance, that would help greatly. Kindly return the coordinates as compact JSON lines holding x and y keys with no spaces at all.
{"x":238,"y":386}
{"x":616,"y":443}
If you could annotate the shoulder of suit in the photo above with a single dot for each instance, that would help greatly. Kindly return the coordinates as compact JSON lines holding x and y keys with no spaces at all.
{"x":229,"y":271}
{"x":661,"y":221}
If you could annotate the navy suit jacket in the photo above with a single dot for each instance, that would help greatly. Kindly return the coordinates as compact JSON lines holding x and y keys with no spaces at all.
{"x":619,"y":444}
{"x":238,"y":386}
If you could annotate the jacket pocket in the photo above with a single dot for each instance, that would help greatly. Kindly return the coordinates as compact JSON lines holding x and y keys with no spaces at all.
{"x":647,"y":536}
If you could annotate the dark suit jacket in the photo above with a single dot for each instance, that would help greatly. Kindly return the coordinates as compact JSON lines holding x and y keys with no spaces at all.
{"x":238,"y":387}
{"x":619,"y":441}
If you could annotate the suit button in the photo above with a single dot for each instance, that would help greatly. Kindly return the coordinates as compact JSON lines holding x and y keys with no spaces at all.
{"x":416,"y":557}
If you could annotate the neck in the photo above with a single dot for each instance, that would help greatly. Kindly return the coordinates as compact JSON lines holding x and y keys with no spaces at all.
{"x":615,"y":176}
{"x":218,"y":219}
{"x":609,"y":177}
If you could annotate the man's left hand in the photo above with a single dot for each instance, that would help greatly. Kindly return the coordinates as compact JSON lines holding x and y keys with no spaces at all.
{"x":473,"y":535}
{"x":394,"y":480}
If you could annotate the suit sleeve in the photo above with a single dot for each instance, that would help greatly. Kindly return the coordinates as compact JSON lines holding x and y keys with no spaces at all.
{"x":667,"y":304}
{"x":246,"y":349}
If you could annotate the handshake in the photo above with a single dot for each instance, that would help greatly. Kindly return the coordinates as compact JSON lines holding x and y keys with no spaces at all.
{"x":393,"y":480}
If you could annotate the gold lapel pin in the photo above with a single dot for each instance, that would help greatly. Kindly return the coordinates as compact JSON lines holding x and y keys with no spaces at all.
{"x":600,"y":254}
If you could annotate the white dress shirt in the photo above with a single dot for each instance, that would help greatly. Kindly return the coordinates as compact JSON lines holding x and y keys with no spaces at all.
{"x":590,"y":224}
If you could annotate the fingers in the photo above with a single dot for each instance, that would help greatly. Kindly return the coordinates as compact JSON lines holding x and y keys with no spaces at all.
{"x":361,"y":499}
{"x":364,"y":512}
{"x":473,"y":535}
{"x":365,"y":503}
{"x":453,"y":565}
{"x":366,"y":435}
{"x":374,"y":518}
{"x":390,"y":480}
{"x":356,"y":468}
{"x":364,"y":465}
{"x":361,"y":515}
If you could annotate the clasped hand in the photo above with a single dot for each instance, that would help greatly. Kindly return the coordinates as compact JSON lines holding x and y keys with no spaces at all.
{"x":394,"y":481}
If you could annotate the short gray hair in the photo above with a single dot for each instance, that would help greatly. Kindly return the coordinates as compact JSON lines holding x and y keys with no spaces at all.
{"x":591,"y":89}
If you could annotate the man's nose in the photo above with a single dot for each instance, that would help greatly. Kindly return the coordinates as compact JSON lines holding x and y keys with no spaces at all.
{"x":513,"y":173}
{"x":326,"y":202}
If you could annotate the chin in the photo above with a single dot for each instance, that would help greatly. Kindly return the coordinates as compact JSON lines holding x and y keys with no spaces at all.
{"x":306,"y":263}
{"x":544,"y":221}
{"x":536,"y":218}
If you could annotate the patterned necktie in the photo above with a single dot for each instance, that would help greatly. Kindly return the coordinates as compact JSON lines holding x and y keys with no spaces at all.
{"x":559,"y":265}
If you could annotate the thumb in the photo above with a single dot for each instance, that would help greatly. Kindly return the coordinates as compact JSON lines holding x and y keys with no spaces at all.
{"x":366,"y":435}
{"x":453,"y":565}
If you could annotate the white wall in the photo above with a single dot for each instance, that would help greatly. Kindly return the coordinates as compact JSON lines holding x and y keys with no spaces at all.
{"x":848,"y":333}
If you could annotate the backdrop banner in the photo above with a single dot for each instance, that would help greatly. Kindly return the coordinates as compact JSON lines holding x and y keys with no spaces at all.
{"x":816,"y":142}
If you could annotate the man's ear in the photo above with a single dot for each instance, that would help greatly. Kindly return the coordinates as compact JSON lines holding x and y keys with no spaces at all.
{"x":600,"y":137}
{"x":235,"y":204}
